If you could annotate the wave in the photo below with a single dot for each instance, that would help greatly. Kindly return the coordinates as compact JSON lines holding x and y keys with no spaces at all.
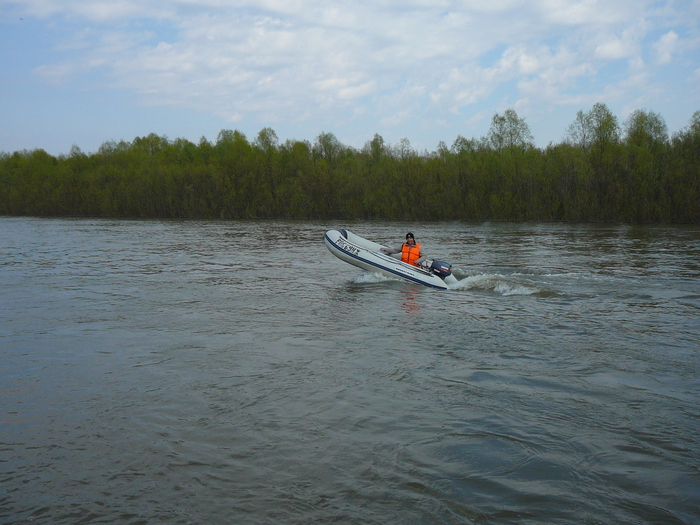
{"x":515,"y":284}
{"x":498,"y":283}
{"x":371,"y":277}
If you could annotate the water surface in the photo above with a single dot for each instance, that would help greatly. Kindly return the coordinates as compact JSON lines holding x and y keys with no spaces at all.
{"x":236,"y":372}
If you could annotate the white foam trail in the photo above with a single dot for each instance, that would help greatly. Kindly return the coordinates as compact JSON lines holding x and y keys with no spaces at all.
{"x":496,"y":282}
{"x":369,"y":277}
{"x":505,"y":289}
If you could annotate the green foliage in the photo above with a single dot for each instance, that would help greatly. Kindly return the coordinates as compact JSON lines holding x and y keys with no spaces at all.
{"x":509,"y":131}
{"x":646,"y":129}
{"x":596,"y":174}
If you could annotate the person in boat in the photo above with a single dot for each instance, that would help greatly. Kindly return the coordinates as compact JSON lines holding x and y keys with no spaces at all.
{"x":410,"y":251}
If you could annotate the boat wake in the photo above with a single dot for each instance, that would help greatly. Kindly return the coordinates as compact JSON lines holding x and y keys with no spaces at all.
{"x":371,"y":277}
{"x":500,"y":284}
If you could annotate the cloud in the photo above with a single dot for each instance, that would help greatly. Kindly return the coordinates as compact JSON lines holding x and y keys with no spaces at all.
{"x":98,"y":11}
{"x":665,"y":47}
{"x":301,"y":60}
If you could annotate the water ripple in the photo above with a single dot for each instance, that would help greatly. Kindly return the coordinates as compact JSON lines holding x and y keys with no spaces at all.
{"x":207,"y":372}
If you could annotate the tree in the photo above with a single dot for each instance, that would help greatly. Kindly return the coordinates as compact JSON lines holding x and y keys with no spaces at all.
{"x":580,"y":131}
{"x":264,"y":176}
{"x":403,"y":149}
{"x":462,"y":144}
{"x":442,"y":151}
{"x":328,"y":147}
{"x":691,"y":132}
{"x":598,"y":127}
{"x":594,"y":176}
{"x":603,"y":155}
{"x":645,"y":129}
{"x":604,"y":126}
{"x":683,"y":182}
{"x":375,"y":148}
{"x":508,"y":130}
{"x":266,"y":139}
{"x":152,"y":144}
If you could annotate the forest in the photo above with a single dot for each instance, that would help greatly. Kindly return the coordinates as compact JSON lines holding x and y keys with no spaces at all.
{"x":602,"y":171}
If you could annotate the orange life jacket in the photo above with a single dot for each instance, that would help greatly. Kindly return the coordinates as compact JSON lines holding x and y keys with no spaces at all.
{"x":409,"y":254}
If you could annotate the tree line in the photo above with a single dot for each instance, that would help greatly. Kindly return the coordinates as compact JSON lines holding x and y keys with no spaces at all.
{"x":601,"y":172}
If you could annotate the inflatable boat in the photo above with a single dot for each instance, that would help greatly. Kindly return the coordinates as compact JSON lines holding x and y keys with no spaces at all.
{"x":367,"y":255}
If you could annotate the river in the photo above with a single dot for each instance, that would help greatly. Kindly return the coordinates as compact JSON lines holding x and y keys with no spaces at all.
{"x":199,"y":372}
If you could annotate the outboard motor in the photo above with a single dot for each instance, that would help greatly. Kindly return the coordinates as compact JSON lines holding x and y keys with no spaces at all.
{"x":441,"y":269}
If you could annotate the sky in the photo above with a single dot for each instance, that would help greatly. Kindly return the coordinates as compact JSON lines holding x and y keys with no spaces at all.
{"x":85,"y":72}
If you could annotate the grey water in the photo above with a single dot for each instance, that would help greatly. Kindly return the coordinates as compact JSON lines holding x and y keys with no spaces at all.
{"x":199,"y":372}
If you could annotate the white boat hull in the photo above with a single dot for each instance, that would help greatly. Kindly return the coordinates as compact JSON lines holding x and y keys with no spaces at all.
{"x":367,"y":255}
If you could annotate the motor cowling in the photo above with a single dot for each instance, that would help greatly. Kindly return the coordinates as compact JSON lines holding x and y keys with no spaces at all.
{"x":441,"y":269}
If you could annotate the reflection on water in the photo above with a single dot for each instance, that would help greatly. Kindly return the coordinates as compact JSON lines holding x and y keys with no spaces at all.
{"x":207,"y":372}
{"x":410,"y":296}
